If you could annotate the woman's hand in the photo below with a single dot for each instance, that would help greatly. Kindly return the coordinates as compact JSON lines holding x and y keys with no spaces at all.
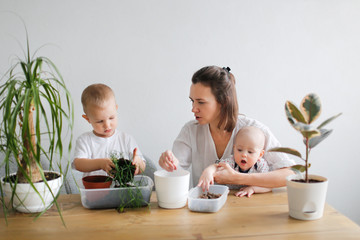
{"x":225,"y":174}
{"x":168,"y":161}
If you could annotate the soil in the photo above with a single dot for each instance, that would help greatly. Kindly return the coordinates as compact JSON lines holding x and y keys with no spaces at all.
{"x":310,"y":180}
{"x":123,"y":173}
{"x":48,"y":175}
{"x":210,"y":195}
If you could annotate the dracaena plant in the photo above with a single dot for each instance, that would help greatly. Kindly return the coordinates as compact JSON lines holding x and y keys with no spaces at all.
{"x":302,"y":119}
{"x":37,"y":112}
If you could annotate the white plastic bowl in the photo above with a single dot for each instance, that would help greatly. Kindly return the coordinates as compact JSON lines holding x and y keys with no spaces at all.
{"x":197,"y":204}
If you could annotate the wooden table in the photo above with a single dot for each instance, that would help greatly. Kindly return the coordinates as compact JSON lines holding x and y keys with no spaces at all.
{"x":263,"y":216}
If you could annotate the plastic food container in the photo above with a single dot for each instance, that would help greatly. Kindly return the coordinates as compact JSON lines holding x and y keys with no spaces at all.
{"x":197,"y":204}
{"x":115,"y":197}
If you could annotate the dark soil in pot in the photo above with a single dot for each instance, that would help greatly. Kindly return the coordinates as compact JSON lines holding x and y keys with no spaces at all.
{"x":48,"y":175}
{"x":310,"y":181}
{"x":123,"y":173}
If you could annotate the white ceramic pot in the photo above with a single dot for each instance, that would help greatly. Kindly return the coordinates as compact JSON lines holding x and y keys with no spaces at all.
{"x":306,"y":200}
{"x":27,"y":200}
{"x":172,"y":188}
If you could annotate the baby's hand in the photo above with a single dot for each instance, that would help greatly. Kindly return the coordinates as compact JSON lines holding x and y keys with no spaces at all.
{"x":206,"y":180}
{"x":245,"y":191}
{"x":106,"y":164}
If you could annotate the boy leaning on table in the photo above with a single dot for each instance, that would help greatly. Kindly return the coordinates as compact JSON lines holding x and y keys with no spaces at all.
{"x":93,"y":149}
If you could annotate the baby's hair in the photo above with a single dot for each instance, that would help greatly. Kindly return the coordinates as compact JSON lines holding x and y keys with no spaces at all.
{"x":253,"y":130}
{"x":96,"y":94}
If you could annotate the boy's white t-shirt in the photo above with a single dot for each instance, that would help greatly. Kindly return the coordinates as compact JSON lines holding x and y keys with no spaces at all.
{"x":195,"y":147}
{"x":90,"y":146}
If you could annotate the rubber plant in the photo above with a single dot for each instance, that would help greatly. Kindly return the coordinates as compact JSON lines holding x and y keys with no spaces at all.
{"x":37,"y":119}
{"x":302,"y":120}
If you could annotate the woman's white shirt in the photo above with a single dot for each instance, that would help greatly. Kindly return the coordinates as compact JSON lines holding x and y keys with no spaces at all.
{"x":195,"y":148}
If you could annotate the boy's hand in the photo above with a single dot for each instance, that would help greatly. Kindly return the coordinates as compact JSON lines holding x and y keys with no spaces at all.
{"x":106,"y":164}
{"x":138,"y":162}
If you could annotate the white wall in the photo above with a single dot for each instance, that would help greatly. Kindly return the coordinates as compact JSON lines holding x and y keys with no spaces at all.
{"x":147,"y":52}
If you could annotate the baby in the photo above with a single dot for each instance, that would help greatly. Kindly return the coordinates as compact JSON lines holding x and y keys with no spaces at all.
{"x":248,"y":151}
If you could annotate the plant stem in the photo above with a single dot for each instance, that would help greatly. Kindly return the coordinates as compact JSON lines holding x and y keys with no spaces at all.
{"x":306,"y":161}
{"x":29,"y":166}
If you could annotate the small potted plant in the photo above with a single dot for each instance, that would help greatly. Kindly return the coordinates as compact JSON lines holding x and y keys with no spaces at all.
{"x":306,"y":193}
{"x":36,"y":128}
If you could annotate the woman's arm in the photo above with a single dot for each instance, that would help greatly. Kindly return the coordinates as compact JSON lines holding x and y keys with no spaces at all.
{"x":273,"y":179}
{"x":180,"y":154}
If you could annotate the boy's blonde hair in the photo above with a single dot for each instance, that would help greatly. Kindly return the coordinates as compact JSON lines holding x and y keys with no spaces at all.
{"x":96,"y":94}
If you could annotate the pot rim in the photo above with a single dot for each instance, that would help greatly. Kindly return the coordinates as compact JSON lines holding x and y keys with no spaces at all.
{"x":61,"y":176}
{"x":301,"y":176}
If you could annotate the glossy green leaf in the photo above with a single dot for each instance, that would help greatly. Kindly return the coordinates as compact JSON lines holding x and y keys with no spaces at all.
{"x":311,"y":107}
{"x":286,"y":150}
{"x":300,"y":168}
{"x":292,"y":112}
{"x":324,"y":133}
{"x":307,"y":130}
{"x":328,"y":120}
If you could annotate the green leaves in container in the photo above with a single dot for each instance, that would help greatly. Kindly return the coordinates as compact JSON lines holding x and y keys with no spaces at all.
{"x":124,"y":171}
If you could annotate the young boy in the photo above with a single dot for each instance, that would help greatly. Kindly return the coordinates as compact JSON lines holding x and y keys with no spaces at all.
{"x":93,"y":149}
{"x":248,"y":151}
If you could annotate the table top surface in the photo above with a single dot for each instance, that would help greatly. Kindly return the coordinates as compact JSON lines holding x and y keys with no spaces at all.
{"x":263,"y":216}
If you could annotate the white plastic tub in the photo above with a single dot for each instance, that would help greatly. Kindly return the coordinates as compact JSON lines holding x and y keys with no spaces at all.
{"x":172,"y":188}
{"x":197,"y":204}
{"x":115,"y":197}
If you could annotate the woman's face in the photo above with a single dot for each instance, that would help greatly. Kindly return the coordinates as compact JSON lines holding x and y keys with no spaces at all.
{"x":204,"y":105}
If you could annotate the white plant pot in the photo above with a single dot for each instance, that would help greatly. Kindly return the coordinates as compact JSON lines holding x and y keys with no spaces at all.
{"x":306,"y":200}
{"x":27,"y":200}
{"x":172,"y":188}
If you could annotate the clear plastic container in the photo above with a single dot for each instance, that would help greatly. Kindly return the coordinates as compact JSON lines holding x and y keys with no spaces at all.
{"x":197,"y":204}
{"x":116,"y":197}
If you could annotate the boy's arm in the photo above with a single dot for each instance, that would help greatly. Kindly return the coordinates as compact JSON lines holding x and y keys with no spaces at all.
{"x":207,"y":177}
{"x":89,"y":165}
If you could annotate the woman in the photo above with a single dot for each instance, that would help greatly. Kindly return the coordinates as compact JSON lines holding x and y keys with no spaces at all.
{"x":207,"y":139}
